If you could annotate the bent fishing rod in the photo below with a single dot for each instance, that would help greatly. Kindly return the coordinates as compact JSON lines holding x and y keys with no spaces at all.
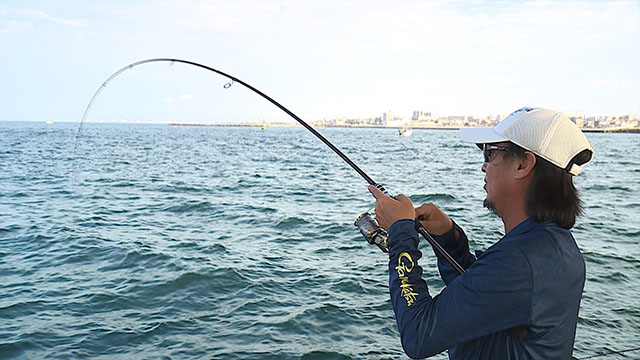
{"x":367,"y":225}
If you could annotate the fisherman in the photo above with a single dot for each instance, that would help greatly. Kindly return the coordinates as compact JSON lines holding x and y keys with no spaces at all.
{"x":519,"y":299}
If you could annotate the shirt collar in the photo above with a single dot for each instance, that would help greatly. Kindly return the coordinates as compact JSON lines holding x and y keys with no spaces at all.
{"x":525,"y":226}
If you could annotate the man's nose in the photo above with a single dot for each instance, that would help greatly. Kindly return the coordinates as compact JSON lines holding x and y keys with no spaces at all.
{"x":484,"y":167}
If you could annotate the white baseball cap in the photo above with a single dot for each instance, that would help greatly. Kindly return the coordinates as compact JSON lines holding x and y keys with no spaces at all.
{"x":546,"y":133}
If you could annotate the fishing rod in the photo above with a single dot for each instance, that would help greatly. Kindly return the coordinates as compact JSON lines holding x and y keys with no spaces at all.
{"x":226,"y":86}
{"x":367,"y":225}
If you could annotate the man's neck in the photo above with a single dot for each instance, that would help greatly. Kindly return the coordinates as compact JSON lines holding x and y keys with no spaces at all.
{"x":513,"y":218}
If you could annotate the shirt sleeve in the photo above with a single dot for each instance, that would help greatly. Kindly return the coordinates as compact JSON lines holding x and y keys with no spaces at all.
{"x":493,"y":295}
{"x":457,"y":248}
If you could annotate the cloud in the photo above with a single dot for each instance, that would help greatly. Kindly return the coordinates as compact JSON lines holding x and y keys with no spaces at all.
{"x":13,"y":26}
{"x":354,"y":58}
{"x":41,"y":15}
{"x":448,"y":56}
{"x":226,"y":16}
{"x":181,"y":97}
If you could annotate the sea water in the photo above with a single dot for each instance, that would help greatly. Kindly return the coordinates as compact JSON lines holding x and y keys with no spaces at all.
{"x":152,"y":241}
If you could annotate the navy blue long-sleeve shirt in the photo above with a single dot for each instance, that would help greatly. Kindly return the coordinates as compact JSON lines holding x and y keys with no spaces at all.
{"x":533,"y":276}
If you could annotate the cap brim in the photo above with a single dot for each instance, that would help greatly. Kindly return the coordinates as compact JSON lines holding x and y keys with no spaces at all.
{"x":480,"y":135}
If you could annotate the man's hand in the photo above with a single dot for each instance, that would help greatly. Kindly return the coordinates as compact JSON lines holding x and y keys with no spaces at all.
{"x":433,"y":219}
{"x":390,"y":210}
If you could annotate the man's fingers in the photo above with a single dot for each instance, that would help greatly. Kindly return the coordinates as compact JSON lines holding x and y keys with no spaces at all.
{"x":376,"y":192}
{"x":424,"y":211}
{"x":402,"y":198}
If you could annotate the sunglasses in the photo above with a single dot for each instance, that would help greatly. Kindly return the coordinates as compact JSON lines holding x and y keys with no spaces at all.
{"x":489,"y":149}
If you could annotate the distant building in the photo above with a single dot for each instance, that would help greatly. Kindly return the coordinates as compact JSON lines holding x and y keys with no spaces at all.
{"x":426,"y":119}
{"x":578,"y":120}
{"x":456,"y":120}
{"x":387,"y":117}
{"x":421,"y":116}
{"x":336,"y":122}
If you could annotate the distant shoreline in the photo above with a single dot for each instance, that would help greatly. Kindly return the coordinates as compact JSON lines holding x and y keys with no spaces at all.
{"x":417,"y":127}
{"x":633,"y":130}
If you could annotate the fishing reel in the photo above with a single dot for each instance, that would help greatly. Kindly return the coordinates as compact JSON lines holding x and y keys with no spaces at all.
{"x":371,"y":230}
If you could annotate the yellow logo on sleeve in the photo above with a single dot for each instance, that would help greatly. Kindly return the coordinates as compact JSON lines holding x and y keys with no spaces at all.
{"x":405,"y":265}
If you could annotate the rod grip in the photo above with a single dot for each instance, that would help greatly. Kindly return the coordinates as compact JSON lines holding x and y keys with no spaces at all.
{"x":422,"y":231}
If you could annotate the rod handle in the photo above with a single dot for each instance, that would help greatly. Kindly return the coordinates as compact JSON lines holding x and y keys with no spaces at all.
{"x":422,"y":231}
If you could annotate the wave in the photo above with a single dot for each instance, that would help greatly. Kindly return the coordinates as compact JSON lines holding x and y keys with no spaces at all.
{"x":437,"y":197}
{"x":323,"y":355}
{"x":614,"y":276}
{"x":10,"y":228}
{"x":290,"y":223}
{"x":136,"y":259}
{"x":193,"y":206}
{"x":602,"y":258}
{"x":597,"y":188}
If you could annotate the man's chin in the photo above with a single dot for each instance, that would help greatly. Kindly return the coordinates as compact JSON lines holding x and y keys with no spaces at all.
{"x":489,"y":205}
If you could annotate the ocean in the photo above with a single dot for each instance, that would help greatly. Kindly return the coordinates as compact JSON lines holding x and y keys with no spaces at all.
{"x":152,"y":241}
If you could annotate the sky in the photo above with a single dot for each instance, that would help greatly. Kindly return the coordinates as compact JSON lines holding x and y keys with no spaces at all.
{"x":320,"y":59}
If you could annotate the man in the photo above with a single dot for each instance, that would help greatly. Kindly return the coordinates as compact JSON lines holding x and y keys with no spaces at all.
{"x":519,"y":299}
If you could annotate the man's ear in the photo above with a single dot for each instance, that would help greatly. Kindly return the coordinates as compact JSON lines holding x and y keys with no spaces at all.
{"x":525,"y":165}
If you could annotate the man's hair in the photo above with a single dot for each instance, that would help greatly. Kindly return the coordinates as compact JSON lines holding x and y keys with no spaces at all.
{"x":551,"y":195}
